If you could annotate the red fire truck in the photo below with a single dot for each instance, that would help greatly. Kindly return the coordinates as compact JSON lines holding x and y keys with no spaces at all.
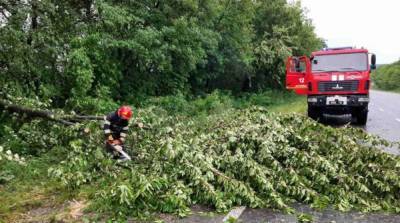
{"x":336,"y":82}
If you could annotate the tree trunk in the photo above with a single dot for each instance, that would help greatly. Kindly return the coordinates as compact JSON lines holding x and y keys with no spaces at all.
{"x":34,"y":22}
{"x":51,"y":116}
{"x":88,"y":9}
{"x":45,"y":114}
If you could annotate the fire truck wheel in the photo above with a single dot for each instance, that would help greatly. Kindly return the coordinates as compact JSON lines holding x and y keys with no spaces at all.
{"x":314,"y":113}
{"x":362,"y":117}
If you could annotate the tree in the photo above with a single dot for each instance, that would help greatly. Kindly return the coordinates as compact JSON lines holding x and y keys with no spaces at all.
{"x":128,"y":50}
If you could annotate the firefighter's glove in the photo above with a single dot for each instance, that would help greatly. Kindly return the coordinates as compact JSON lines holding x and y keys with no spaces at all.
{"x":117,"y":142}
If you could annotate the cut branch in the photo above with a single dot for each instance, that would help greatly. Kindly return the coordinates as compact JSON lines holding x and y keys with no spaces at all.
{"x":45,"y":114}
{"x":50,"y":115}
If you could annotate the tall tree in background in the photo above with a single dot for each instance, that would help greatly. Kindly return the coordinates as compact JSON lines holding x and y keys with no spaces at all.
{"x":281,"y":30}
{"x":82,"y":53}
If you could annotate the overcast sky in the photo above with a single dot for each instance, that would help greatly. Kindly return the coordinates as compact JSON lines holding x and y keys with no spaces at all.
{"x":374,"y":25}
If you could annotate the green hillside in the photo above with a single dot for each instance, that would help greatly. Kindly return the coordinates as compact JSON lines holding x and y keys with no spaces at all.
{"x":387,"y":77}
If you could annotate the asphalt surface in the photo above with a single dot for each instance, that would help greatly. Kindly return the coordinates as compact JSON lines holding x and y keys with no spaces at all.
{"x":384,"y":117}
{"x":383,"y":120}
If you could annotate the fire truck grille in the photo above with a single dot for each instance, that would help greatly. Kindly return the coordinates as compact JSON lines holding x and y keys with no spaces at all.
{"x":328,"y":86}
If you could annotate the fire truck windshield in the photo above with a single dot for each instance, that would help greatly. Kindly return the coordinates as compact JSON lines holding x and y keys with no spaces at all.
{"x":340,"y":62}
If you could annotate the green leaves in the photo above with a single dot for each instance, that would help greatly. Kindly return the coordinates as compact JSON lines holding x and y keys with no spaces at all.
{"x":125,"y":194}
{"x":237,"y":157}
{"x":385,"y":77}
{"x":303,"y":218}
{"x":80,"y":73}
{"x":79,"y":53}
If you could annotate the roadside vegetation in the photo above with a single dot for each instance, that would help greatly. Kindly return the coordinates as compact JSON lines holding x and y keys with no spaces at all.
{"x":205,"y":78}
{"x":216,"y":151}
{"x":387,"y":77}
{"x":39,"y":146}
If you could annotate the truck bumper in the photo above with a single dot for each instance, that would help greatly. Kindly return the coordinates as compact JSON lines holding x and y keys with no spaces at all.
{"x":341,"y":117}
{"x":351,"y":101}
{"x":342,"y":108}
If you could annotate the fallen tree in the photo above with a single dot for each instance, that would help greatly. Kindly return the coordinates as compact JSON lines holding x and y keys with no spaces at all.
{"x":30,"y":113}
{"x":240,"y":157}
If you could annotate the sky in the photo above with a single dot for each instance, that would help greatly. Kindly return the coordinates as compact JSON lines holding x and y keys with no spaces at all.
{"x":374,"y":25}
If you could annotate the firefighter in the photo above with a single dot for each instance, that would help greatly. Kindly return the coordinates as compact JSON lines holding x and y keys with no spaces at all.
{"x":116,"y":126}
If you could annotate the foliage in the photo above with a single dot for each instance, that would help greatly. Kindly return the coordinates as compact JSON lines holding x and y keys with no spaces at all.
{"x":76,"y":54}
{"x":219,"y":101}
{"x":237,"y":157}
{"x":86,"y":57}
{"x":387,"y":77}
{"x":9,"y":156}
{"x":5,"y":157}
{"x":31,"y":188}
{"x":303,"y":218}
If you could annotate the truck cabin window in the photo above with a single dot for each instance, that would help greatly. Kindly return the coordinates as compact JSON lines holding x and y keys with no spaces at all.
{"x":340,"y":62}
{"x":298,"y":66}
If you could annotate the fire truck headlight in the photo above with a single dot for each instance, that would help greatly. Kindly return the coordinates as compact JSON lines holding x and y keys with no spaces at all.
{"x":312,"y":100}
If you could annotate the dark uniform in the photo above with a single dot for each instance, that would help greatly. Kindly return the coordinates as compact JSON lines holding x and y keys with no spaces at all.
{"x":115,"y":128}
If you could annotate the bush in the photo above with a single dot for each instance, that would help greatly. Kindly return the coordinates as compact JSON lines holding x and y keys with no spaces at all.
{"x":387,"y":77}
{"x":218,"y":101}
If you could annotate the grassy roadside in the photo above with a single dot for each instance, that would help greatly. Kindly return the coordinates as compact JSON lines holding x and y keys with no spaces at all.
{"x":31,"y":190}
{"x":386,"y":90}
{"x":216,"y":102}
{"x":298,"y":104}
{"x":32,"y":196}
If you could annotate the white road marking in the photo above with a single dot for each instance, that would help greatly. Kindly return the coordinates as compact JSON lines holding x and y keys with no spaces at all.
{"x":234,"y":213}
{"x":381,"y":109}
{"x":398,"y":119}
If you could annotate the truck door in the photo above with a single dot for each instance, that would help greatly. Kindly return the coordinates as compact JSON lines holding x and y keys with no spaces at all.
{"x":297,"y":69}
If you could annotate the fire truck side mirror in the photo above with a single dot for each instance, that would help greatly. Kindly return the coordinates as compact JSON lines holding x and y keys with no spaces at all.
{"x":373,"y":62}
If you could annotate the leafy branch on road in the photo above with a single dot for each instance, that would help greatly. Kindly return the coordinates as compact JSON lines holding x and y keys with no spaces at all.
{"x":240,"y":157}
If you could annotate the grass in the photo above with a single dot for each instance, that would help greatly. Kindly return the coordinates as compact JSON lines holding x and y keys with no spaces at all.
{"x":386,"y":90}
{"x":297,"y":104}
{"x":31,"y":189}
{"x":216,"y":102}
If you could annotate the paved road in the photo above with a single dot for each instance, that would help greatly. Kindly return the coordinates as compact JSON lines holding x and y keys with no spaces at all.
{"x":383,"y":120}
{"x":384,"y":116}
{"x":202,"y":215}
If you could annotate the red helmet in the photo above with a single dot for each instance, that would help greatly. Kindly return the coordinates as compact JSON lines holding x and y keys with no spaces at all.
{"x":125,"y":112}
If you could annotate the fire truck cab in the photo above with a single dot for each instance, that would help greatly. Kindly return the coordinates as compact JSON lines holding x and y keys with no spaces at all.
{"x":336,"y":82}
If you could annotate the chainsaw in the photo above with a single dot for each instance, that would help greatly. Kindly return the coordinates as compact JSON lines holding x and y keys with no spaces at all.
{"x":118,"y":148}
{"x":125,"y":155}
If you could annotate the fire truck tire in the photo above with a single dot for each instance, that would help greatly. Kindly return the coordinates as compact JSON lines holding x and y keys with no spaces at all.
{"x":314,"y":113}
{"x":362,"y":116}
